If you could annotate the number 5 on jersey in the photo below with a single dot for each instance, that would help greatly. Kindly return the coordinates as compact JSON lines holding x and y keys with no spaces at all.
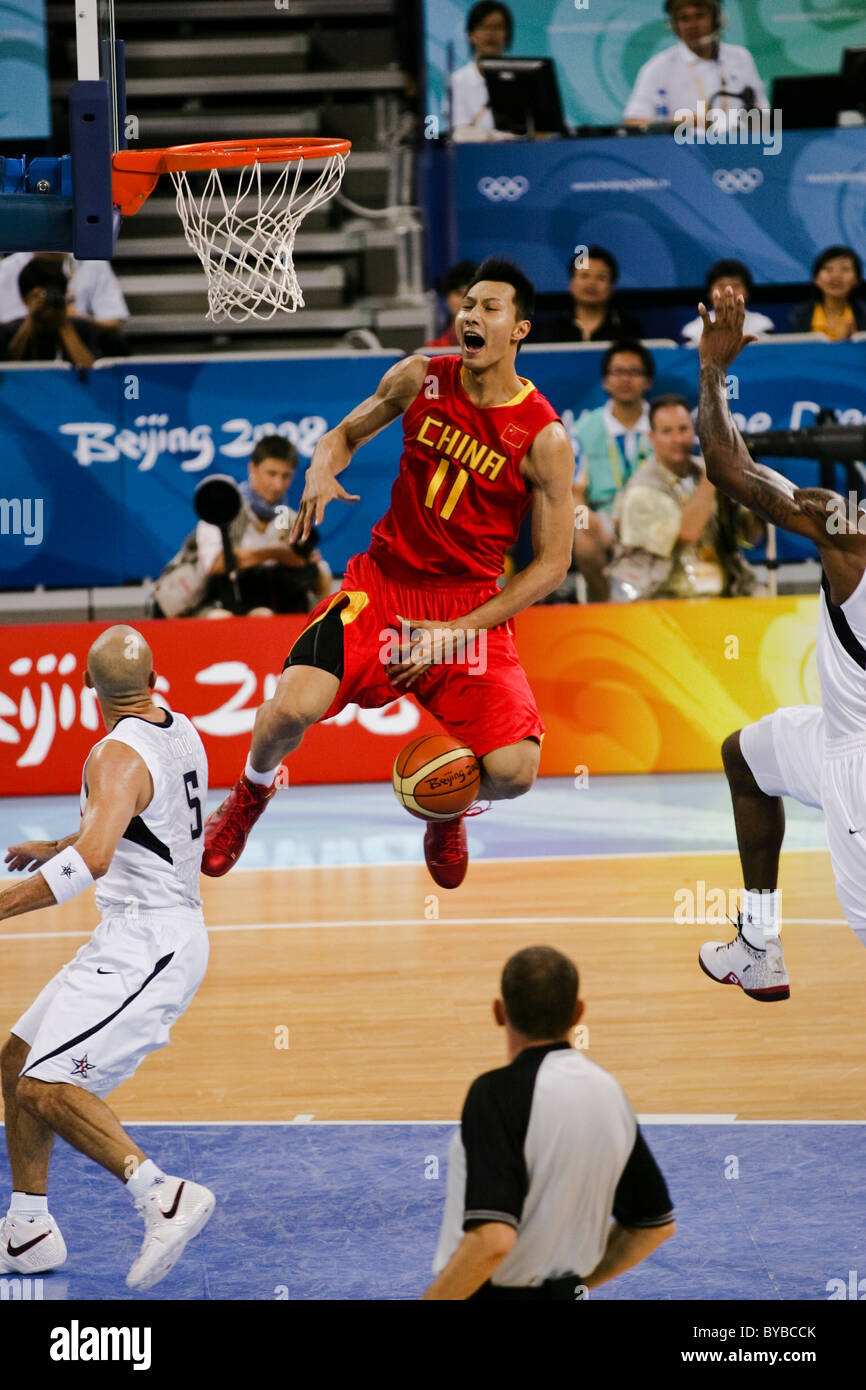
{"x":190,"y":781}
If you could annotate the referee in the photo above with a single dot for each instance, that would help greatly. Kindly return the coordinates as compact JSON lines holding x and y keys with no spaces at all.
{"x":547,"y":1151}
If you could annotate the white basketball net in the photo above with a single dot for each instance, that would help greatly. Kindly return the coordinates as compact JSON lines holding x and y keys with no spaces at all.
{"x":244,"y":234}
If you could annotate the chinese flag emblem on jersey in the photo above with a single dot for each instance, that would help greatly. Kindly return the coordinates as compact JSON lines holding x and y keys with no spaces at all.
{"x":514,"y":436}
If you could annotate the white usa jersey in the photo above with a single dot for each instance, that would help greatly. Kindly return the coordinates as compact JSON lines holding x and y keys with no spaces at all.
{"x":841,"y":660}
{"x":157,"y":862}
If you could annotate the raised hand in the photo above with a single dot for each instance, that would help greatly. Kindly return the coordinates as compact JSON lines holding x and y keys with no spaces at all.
{"x":320,"y":488}
{"x":723,"y":340}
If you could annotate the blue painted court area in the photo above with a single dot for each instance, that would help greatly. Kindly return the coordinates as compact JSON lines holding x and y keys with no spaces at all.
{"x":363,"y":824}
{"x":347,"y":1212}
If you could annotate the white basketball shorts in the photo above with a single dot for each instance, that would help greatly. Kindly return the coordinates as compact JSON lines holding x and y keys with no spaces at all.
{"x":789,"y":755}
{"x":103,"y":1012}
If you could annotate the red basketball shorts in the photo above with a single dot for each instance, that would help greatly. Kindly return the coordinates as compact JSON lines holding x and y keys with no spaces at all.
{"x":483,"y":699}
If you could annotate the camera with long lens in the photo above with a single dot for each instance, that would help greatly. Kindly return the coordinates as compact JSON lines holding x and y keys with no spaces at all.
{"x":53,"y":299}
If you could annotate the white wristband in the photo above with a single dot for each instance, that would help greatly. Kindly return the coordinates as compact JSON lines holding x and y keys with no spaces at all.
{"x":66,"y":874}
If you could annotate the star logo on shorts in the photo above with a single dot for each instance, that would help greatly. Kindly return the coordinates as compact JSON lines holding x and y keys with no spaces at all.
{"x":81,"y":1066}
{"x":67,"y":870}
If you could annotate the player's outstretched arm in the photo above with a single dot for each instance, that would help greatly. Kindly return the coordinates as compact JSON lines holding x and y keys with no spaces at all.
{"x":31,"y":853}
{"x":730,"y":466}
{"x":119,"y":788}
{"x":394,"y":394}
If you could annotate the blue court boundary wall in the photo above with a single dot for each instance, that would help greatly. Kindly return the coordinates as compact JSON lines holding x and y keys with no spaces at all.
{"x":98,"y":468}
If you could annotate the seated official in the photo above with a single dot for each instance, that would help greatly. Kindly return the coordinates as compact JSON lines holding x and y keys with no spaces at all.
{"x":697,"y":69}
{"x":593,"y":317}
{"x":676,"y":536}
{"x":719,"y":277}
{"x":489,"y":29}
{"x":613,"y":442}
{"x":834,"y":310}
{"x":48,"y":332}
{"x":273,"y":575}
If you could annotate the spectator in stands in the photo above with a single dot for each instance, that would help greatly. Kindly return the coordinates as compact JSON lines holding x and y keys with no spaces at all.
{"x":613,"y":442}
{"x":592,"y":317}
{"x":273,"y":575}
{"x":47,"y":333}
{"x":675,"y":538}
{"x":697,"y":69}
{"x":489,"y":29}
{"x":738,"y":276}
{"x":451,"y":286}
{"x":834,"y":310}
{"x":93,"y":293}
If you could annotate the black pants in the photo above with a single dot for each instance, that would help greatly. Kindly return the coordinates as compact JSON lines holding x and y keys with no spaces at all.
{"x":563,"y":1289}
{"x":267,"y":586}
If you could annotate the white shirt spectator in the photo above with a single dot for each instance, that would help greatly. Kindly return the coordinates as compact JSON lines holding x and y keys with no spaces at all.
{"x":470,"y":105}
{"x":678,"y":79}
{"x":758,"y":324}
{"x":92,"y":286}
{"x":471,"y":117}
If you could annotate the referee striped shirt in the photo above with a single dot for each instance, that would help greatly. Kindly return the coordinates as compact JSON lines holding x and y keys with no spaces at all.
{"x":549,"y":1145}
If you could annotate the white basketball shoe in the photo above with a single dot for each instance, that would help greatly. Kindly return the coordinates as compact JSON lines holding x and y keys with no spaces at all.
{"x":761,"y":974}
{"x":30,"y":1244}
{"x":174,"y":1211}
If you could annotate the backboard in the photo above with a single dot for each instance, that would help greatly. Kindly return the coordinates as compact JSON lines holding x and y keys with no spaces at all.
{"x":109,"y":64}
{"x":63,"y":202}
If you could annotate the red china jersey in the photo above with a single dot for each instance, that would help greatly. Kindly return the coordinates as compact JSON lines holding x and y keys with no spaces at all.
{"x":458,"y":500}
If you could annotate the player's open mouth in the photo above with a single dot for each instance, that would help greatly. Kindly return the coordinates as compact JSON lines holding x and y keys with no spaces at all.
{"x":472,"y":343}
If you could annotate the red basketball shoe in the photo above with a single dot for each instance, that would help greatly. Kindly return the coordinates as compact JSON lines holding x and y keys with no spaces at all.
{"x":445,"y":849}
{"x":227,"y":828}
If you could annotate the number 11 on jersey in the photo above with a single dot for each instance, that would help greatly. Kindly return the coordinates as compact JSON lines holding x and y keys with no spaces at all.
{"x":456,"y":488}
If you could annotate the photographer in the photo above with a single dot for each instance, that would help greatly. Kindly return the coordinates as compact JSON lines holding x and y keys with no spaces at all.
{"x":48,"y":333}
{"x":273,"y":576}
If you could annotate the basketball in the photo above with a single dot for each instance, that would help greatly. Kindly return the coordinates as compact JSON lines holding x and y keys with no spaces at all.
{"x":436,"y":778}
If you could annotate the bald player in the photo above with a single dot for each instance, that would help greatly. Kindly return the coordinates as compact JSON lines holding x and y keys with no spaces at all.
{"x":140,"y":840}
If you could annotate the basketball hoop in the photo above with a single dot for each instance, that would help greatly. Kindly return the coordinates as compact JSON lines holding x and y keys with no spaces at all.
{"x":241,"y":226}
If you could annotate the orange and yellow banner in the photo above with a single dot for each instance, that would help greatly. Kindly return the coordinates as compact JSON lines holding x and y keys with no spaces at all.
{"x":648,"y":687}
{"x":656,"y":687}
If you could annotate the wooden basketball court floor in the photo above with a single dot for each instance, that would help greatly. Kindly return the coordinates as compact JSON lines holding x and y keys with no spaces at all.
{"x":357,"y":994}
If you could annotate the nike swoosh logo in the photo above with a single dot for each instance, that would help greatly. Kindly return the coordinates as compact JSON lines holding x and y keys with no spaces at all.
{"x":100,"y":971}
{"x":172,"y":1211}
{"x":853,"y":832}
{"x":20,"y":1249}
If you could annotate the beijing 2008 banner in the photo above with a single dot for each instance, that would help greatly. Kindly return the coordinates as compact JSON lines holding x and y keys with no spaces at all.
{"x":599,"y":45}
{"x":98,"y":469}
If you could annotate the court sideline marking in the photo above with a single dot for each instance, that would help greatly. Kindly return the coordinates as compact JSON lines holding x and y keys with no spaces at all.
{"x":439,"y":921}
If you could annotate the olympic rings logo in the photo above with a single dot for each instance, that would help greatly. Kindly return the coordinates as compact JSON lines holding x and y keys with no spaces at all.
{"x":738,"y":180}
{"x":503,"y":189}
